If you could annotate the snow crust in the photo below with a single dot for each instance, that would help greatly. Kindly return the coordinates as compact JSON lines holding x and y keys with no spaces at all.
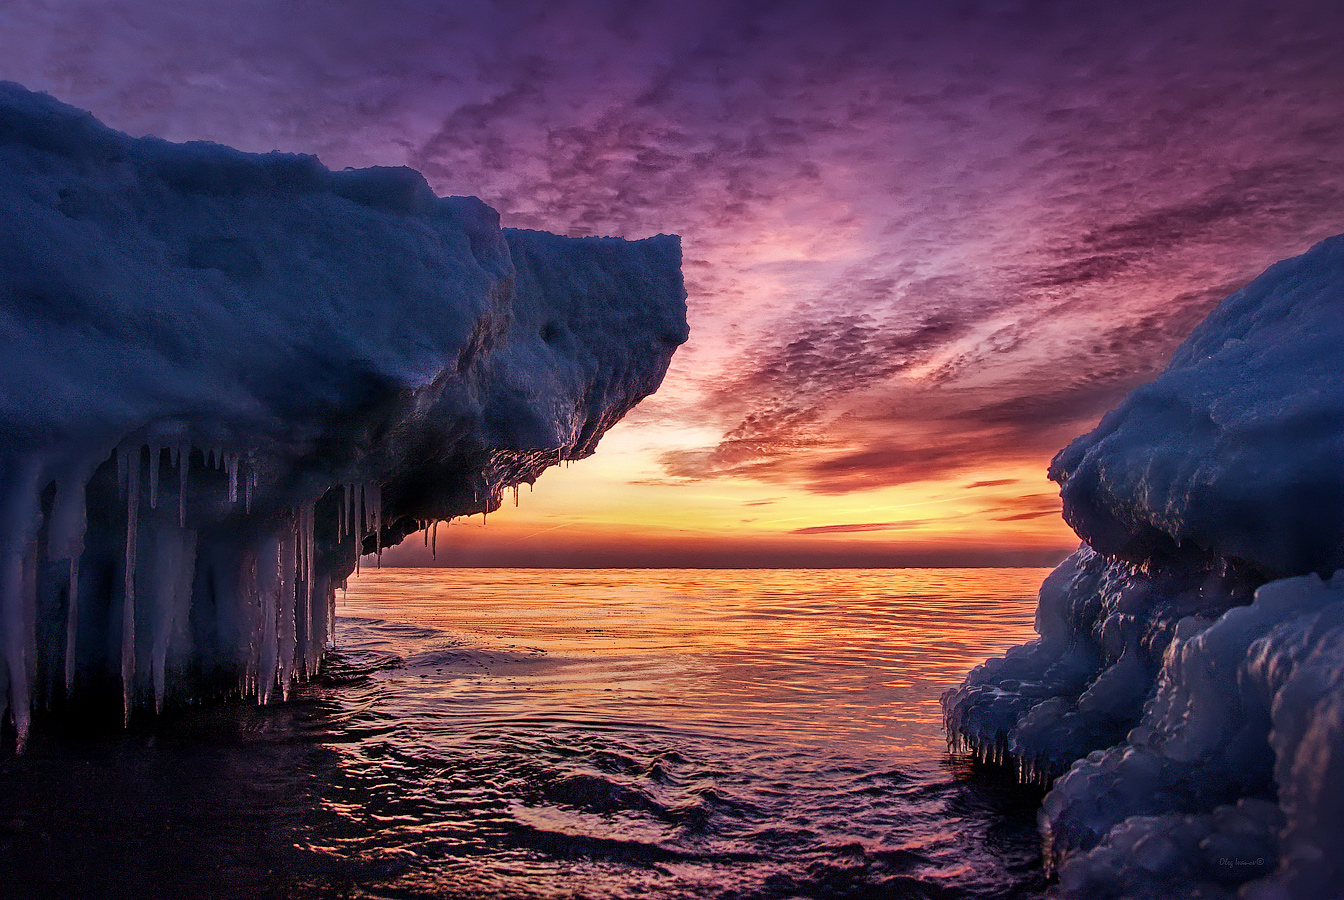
{"x":226,"y":375}
{"x":1186,"y":694}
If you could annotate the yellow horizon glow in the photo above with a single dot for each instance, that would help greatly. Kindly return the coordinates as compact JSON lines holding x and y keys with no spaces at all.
{"x":621,"y":499}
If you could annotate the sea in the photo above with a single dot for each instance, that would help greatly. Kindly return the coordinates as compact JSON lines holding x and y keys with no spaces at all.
{"x":575,"y":734}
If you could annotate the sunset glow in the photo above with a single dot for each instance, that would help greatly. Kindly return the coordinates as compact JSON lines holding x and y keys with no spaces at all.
{"x":924,"y":248}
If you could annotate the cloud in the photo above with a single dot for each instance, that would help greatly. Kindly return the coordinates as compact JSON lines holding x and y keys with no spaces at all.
{"x":1029,"y":515}
{"x":920,"y":240}
{"x":1026,"y":506}
{"x":662,"y":482}
{"x":866,"y":526}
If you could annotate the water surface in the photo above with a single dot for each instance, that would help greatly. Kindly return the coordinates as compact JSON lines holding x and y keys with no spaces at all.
{"x":566,"y":734}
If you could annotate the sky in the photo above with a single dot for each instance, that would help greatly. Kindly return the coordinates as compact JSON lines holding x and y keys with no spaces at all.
{"x":925,"y":244}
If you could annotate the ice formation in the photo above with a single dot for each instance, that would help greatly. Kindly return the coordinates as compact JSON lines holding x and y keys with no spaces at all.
{"x":226,"y":375}
{"x":1187,"y":687}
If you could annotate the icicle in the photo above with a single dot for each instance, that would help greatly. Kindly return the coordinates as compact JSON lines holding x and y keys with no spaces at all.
{"x":28,"y":633}
{"x":231,"y":466}
{"x":515,"y":495}
{"x":20,"y":485}
{"x":65,"y":540}
{"x":286,"y":597}
{"x":269,"y":563}
{"x":358,"y":491}
{"x":183,"y":465}
{"x":123,"y":466}
{"x":128,"y":593}
{"x":301,"y":544}
{"x":71,"y":624}
{"x":434,"y":541}
{"x":347,"y":526}
{"x":172,"y":568}
{"x":69,"y":514}
{"x":361,"y":512}
{"x":320,"y":630}
{"x":331,"y":615}
{"x":311,"y":648}
{"x":377,"y":501}
{"x":154,"y":451}
{"x":301,"y":610}
{"x":310,"y":533}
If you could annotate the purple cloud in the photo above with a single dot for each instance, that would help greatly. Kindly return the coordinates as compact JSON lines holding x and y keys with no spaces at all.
{"x":920,"y":239}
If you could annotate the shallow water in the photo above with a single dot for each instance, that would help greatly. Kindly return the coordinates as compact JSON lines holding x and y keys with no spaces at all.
{"x":558,"y":734}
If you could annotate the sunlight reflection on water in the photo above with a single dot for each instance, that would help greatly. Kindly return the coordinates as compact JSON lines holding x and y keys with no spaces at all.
{"x":564,"y":734}
{"x":685,"y":732}
{"x":796,"y":656}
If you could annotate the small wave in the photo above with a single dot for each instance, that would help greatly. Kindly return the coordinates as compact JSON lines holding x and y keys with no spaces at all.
{"x":346,"y":665}
{"x":599,"y":795}
{"x":489,"y":661}
{"x":582,"y":846}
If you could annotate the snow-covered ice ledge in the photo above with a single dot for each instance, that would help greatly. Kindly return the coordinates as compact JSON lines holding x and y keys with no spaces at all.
{"x":224,"y":375}
{"x":1188,"y":683}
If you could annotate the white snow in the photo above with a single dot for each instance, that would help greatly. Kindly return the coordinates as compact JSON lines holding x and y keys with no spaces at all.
{"x":1187,"y":688}
{"x":225,"y":375}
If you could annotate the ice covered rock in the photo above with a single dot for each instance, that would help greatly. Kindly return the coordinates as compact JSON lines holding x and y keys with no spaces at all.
{"x":1105,"y":627}
{"x":1240,"y":752}
{"x":224,"y":375}
{"x":1188,"y":683}
{"x":1235,"y":450}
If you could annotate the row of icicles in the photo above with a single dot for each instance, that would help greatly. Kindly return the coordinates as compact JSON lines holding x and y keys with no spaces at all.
{"x":278,"y":607}
{"x":430,"y":528}
{"x":996,"y":752}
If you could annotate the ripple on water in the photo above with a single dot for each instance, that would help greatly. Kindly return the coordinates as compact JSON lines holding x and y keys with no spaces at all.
{"x":586,"y":746}
{"x":594,"y":735}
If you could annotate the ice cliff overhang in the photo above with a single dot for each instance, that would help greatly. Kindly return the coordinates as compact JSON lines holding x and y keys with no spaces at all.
{"x":1237,"y":449}
{"x":224,"y":375}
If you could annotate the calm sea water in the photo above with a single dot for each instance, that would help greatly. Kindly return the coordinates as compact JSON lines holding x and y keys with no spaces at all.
{"x":565,"y":734}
